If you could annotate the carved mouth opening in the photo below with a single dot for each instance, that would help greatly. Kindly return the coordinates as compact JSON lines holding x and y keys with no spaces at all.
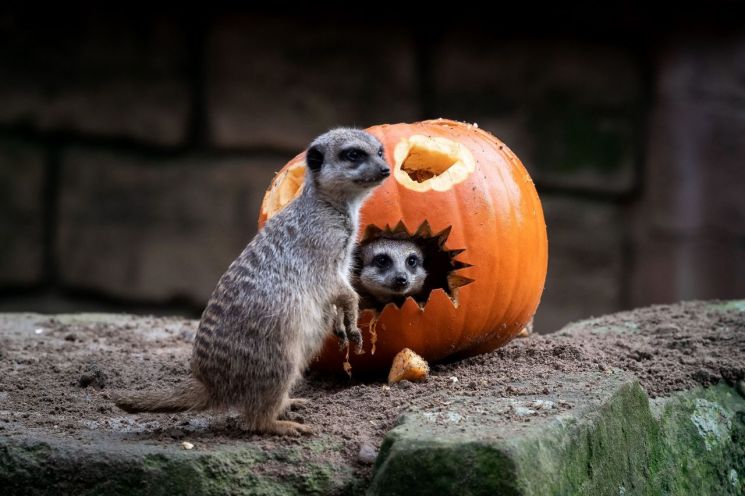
{"x":431,"y":162}
{"x":439,"y":262}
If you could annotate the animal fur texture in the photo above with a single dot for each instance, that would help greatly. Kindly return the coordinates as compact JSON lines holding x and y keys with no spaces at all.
{"x":272,"y":310}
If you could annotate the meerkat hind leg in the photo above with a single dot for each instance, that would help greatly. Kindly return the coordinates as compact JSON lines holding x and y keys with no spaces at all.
{"x":283,"y":428}
{"x":292,"y":404}
{"x":270,"y":424}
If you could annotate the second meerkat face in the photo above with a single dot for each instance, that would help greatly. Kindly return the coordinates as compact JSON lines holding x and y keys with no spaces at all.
{"x":392,"y":268}
{"x":347,"y":161}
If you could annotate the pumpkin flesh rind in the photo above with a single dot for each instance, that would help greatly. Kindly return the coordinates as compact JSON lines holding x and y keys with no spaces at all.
{"x":493,"y":213}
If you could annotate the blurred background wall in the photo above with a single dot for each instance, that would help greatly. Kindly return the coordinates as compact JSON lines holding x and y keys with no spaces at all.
{"x":135,"y":146}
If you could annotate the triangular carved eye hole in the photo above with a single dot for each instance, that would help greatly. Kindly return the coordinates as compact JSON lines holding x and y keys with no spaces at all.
{"x":439,"y":262}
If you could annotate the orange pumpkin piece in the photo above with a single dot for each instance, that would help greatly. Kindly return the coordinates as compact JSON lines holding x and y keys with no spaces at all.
{"x":461,"y":192}
{"x":408,"y":366}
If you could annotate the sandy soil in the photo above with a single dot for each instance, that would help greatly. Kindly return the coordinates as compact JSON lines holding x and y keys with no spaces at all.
{"x":61,"y":378}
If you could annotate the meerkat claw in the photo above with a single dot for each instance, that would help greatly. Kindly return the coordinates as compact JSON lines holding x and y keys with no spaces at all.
{"x":295,"y":403}
{"x":356,"y":337}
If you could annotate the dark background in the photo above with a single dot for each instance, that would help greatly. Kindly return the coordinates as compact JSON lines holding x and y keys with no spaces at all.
{"x":135,"y":145}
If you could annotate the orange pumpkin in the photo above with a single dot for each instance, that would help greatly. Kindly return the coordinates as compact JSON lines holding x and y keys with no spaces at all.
{"x":459,"y":186}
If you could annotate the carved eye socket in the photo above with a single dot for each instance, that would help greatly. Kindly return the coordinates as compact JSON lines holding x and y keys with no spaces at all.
{"x":380,"y":153}
{"x":412,"y":261}
{"x":353,"y":155}
{"x":382,"y":261}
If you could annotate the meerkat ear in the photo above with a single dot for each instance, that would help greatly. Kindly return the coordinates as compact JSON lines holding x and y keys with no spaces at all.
{"x":314,"y":158}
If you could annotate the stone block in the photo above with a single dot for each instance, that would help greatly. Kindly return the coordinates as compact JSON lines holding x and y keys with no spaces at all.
{"x":614,"y":440}
{"x":581,"y":427}
{"x":103,"y":75}
{"x":570,"y":111}
{"x":22,"y":204}
{"x":155,"y":228}
{"x":279,"y":83}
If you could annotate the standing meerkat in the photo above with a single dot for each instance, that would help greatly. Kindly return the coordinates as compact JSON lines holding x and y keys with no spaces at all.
{"x":391,"y":270}
{"x":271,"y":310}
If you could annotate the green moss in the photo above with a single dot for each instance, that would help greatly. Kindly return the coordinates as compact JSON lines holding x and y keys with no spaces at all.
{"x":691,"y":443}
{"x":432,"y":468}
{"x":738,"y":305}
{"x":702,"y":441}
{"x":41,"y":469}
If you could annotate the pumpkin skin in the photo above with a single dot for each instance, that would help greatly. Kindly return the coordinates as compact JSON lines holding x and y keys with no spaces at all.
{"x":494,"y":215}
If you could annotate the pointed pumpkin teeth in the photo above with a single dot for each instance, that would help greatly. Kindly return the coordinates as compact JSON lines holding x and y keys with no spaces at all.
{"x":456,"y":281}
{"x":371,"y":231}
{"x":439,"y":260}
{"x":424,"y":230}
{"x":400,"y":227}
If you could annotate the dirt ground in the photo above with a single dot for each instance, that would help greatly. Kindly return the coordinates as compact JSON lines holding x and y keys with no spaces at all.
{"x":61,"y":378}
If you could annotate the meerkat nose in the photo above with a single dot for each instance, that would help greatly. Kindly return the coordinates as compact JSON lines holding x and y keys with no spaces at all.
{"x":400,"y":281}
{"x":385,"y":171}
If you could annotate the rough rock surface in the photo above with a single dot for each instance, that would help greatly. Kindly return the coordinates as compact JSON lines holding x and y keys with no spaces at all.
{"x":563,"y":413}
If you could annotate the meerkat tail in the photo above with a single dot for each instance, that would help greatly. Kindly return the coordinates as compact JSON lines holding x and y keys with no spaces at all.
{"x":190,"y":397}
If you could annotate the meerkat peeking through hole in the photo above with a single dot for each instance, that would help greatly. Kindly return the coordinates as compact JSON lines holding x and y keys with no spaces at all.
{"x":390,"y":270}
{"x":272,"y":310}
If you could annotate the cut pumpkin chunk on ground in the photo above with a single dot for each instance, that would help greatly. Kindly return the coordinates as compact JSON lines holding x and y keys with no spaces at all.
{"x":408,"y":366}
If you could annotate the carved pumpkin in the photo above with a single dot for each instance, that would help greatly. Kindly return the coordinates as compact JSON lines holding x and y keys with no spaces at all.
{"x":462,"y":193}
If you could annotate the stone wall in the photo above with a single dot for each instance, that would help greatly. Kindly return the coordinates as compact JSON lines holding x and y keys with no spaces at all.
{"x":134,"y":149}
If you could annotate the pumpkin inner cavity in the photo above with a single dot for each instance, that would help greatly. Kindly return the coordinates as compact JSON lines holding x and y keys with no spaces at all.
{"x":439,"y":262}
{"x":286,"y":186}
{"x":431,"y":162}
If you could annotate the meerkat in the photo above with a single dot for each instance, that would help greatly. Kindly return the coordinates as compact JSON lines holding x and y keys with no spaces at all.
{"x":272,"y":309}
{"x":391,"y":270}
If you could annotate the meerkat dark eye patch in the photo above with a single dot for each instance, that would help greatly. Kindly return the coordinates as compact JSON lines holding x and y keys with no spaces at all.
{"x":382,"y":261}
{"x":353,"y":155}
{"x":412,"y":261}
{"x":314,"y":158}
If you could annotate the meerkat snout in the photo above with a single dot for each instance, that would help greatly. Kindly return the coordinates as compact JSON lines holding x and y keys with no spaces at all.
{"x":391,"y":269}
{"x":400,"y":281}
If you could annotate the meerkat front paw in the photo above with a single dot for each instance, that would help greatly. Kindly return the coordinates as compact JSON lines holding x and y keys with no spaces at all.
{"x":340,"y":331}
{"x":354,"y":335}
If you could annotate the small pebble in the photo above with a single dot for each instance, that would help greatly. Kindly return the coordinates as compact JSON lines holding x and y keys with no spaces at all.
{"x":187,"y":445}
{"x":38,"y":330}
{"x":453,"y":379}
{"x":94,"y":376}
{"x":367,"y":454}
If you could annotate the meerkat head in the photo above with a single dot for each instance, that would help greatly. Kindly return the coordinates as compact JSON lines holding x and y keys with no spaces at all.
{"x":391,"y":268}
{"x":346,"y":162}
